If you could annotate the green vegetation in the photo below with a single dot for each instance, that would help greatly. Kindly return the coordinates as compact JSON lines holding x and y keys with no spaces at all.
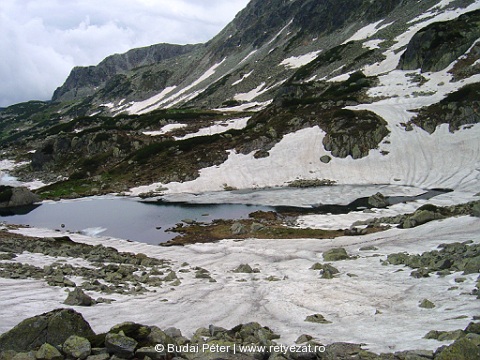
{"x":261,"y":226}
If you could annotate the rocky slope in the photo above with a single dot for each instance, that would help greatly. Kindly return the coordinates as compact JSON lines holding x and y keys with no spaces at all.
{"x":64,"y":333}
{"x":361,"y":81}
{"x":85,"y":81}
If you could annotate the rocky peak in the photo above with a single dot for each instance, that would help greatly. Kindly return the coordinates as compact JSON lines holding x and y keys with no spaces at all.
{"x":83,"y":81}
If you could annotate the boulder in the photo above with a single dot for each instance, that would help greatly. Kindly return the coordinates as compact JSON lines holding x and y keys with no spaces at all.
{"x":378,"y":201}
{"x":303,"y":339}
{"x":150,"y":352}
{"x":426,"y":304}
{"x":53,"y":327}
{"x":120,"y":345}
{"x":77,"y":347}
{"x":317,"y":318}
{"x":462,"y":349}
{"x":136,"y":331}
{"x":472,"y":265}
{"x":16,"y":196}
{"x":78,"y":298}
{"x":326,"y":270}
{"x":325,"y":159}
{"x":335,"y":254}
{"x":158,"y":336}
{"x":473,"y":327}
{"x":421,"y":217}
{"x":476,"y":209}
{"x":238,"y":229}
{"x":245,"y":269}
{"x":24,"y":356}
{"x":48,"y":352}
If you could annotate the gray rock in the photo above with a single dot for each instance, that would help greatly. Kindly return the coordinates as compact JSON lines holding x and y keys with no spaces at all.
{"x":368,"y":248}
{"x":462,"y":349}
{"x":120,"y":345}
{"x":317,"y":318}
{"x":302,"y":339}
{"x":245,"y":269}
{"x":16,"y":196}
{"x":104,"y":356}
{"x":414,"y":355}
{"x":475,"y":338}
{"x":472,"y":265}
{"x":48,"y":352}
{"x":426,"y":304}
{"x":335,"y":254}
{"x":151,"y":353}
{"x":429,"y":50}
{"x":53,"y":327}
{"x":172,"y":276}
{"x":24,"y":356}
{"x":77,"y":347}
{"x":378,"y":201}
{"x":78,"y":298}
{"x":238,"y":229}
{"x":473,"y":327}
{"x":173,"y":332}
{"x":476,"y":209}
{"x":136,"y":331}
{"x":256,"y":227}
{"x":325,"y":159}
{"x":421,"y":217}
{"x":158,"y":336}
{"x":343,"y":351}
{"x":7,"y":355}
{"x":326,"y":270}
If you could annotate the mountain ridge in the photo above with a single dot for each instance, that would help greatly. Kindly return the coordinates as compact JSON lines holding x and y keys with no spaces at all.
{"x":182,"y":122}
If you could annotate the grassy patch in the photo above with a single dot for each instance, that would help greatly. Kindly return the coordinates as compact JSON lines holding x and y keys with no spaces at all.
{"x":272,"y":227}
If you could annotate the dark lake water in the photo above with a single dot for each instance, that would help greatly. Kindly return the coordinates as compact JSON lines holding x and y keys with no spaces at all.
{"x":123,"y":218}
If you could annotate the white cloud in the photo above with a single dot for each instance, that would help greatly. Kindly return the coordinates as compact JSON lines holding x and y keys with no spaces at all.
{"x":43,"y":40}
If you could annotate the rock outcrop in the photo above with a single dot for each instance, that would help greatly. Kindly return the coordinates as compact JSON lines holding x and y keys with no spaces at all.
{"x":85,"y":81}
{"x":16,"y":196}
{"x":439,"y":44}
{"x":53,"y":328}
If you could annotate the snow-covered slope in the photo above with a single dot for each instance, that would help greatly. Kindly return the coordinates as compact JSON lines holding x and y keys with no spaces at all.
{"x":367,"y":303}
{"x":408,"y":155}
{"x":335,"y":100}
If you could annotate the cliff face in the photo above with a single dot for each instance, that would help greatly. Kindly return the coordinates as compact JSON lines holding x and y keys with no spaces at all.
{"x":85,"y":81}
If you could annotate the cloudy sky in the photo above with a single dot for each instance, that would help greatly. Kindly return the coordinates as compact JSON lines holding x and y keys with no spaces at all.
{"x":42,"y":40}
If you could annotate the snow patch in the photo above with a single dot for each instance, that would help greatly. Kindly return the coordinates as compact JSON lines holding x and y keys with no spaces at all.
{"x":254,"y":93}
{"x":142,"y":107}
{"x":218,"y":128}
{"x":243,"y":78}
{"x":254,"y":106}
{"x":165,"y":129}
{"x":247,"y":57}
{"x":160,"y":100}
{"x":296,"y":62}
{"x":280,"y":32}
{"x":367,"y":31}
{"x":373,"y":44}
